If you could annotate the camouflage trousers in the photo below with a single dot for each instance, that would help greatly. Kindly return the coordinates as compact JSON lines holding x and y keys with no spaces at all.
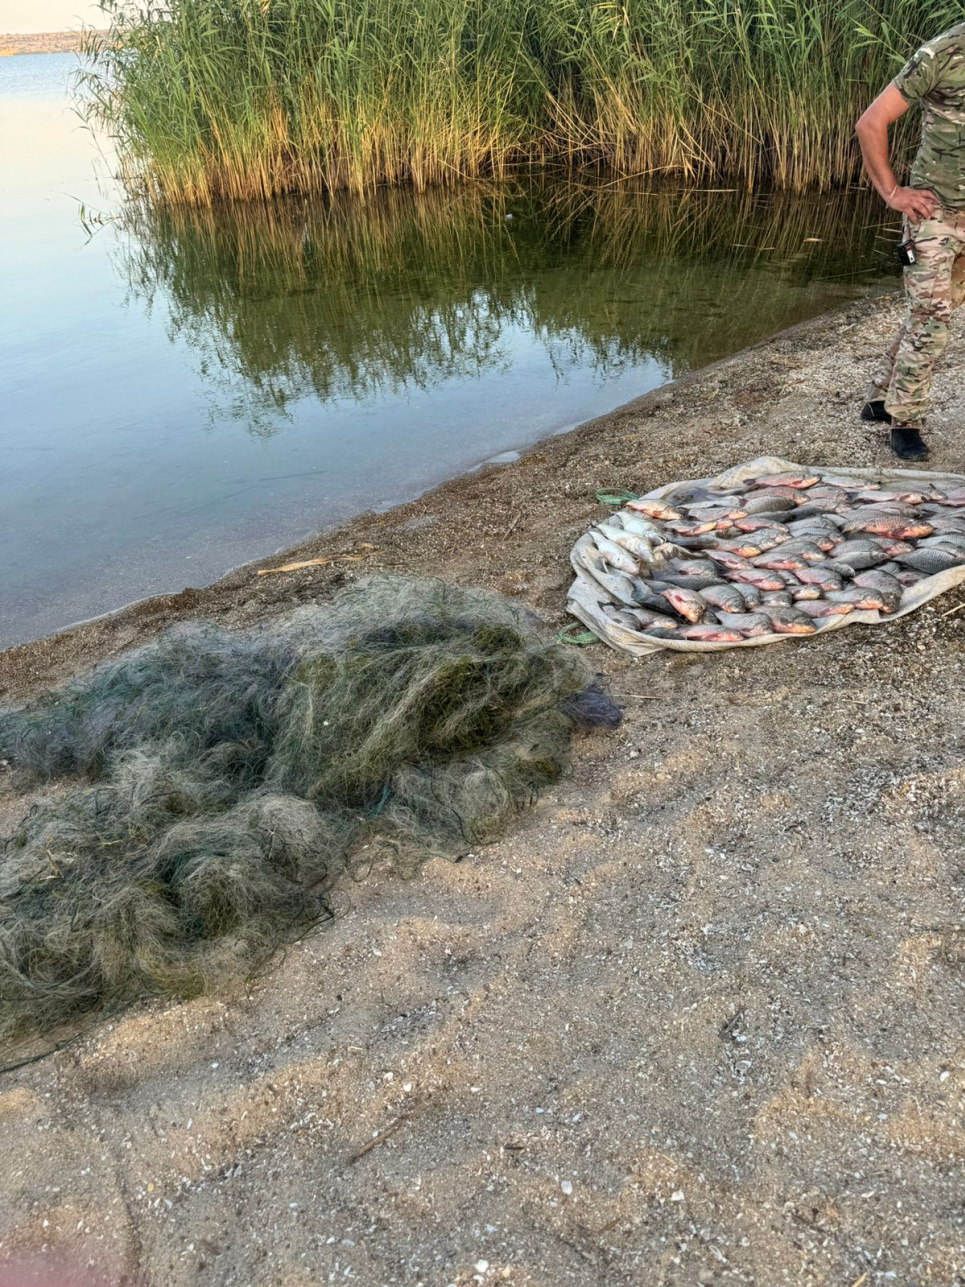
{"x":934,"y":286}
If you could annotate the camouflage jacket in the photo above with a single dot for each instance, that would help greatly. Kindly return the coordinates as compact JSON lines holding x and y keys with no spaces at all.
{"x":935,"y":77}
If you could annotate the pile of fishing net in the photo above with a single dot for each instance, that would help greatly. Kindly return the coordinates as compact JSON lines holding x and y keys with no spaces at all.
{"x":231,"y":778}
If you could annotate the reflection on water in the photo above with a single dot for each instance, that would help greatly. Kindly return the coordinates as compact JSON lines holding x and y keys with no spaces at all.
{"x":185,"y":392}
{"x":342,"y":301}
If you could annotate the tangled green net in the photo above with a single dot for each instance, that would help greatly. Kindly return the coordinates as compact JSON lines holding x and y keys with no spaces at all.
{"x":232,"y":776}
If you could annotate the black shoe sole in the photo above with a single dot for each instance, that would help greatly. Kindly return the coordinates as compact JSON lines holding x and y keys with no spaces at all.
{"x":910,"y":452}
{"x":875,"y":412}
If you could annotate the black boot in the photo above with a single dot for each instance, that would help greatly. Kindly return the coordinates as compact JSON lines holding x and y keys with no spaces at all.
{"x":875,"y":410}
{"x":907,"y":442}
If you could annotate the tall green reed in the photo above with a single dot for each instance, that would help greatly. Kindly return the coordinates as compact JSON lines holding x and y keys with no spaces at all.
{"x":231,"y":99}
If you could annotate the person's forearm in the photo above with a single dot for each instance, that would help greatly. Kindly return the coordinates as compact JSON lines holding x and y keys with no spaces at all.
{"x":874,"y":150}
{"x":872,"y":132}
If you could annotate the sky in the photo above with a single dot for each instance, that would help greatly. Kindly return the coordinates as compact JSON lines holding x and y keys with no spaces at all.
{"x":47,"y":15}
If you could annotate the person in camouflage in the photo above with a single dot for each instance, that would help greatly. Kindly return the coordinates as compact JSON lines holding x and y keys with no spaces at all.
{"x":933,"y":206}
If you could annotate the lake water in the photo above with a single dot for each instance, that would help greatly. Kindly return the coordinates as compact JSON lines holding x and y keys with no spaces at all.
{"x":184,"y":393}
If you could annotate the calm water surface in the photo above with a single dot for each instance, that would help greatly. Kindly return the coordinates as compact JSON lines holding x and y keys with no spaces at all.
{"x":184,"y":393}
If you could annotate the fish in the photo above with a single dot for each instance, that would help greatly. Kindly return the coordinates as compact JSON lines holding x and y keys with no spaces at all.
{"x":711,"y":634}
{"x":828,"y":491}
{"x":907,"y":498}
{"x":692,"y":567}
{"x":654,"y":509}
{"x":816,"y":523}
{"x":858,"y":554}
{"x":728,"y":559}
{"x":908,"y":577}
{"x":644,"y":618}
{"x":842,"y":567}
{"x":777,"y":599}
{"x":822,"y":576}
{"x":689,"y":604}
{"x":768,"y":538}
{"x":695,"y":583}
{"x":862,"y":599}
{"x":819,"y":509}
{"x":615,"y":555}
{"x":780,"y":560}
{"x":848,"y":484}
{"x":768,"y":503}
{"x":954,"y":544}
{"x":750,"y":594}
{"x":819,"y":537}
{"x":646,"y":596}
{"x":753,"y":523}
{"x":808,"y":549}
{"x":726,"y":598}
{"x":888,"y":525}
{"x":801,"y":592}
{"x":823,"y":608}
{"x":638,"y":546}
{"x":797,"y":481}
{"x":744,"y":549}
{"x":954,"y":497}
{"x":761,"y":577}
{"x":893,"y":548}
{"x":662,"y":632}
{"x":749,"y":624}
{"x":617,"y":585}
{"x":720,"y":514}
{"x":691,"y":527}
{"x":931,"y":561}
{"x":788,"y":621}
{"x":718,"y":496}
{"x":882,"y":583}
{"x":884,"y":507}
{"x":690,"y":542}
{"x":949,"y":525}
{"x":640,"y":526}
{"x":623,"y":616}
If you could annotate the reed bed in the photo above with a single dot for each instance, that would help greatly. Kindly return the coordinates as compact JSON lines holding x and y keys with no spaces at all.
{"x":237,"y":99}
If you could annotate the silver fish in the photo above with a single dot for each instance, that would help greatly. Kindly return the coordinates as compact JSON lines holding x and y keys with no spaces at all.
{"x":686,"y":602}
{"x":639,"y":526}
{"x":711,"y":634}
{"x":931,"y":561}
{"x":888,"y":587}
{"x":767,"y":504}
{"x":820,"y":575}
{"x":615,"y":555}
{"x":638,"y":546}
{"x":726,"y":598}
{"x":749,"y":624}
{"x":788,"y":621}
{"x":817,"y":608}
{"x":653,"y":509}
{"x":751,"y":595}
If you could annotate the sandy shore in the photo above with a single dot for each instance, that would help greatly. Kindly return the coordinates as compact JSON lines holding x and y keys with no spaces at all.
{"x":48,"y":42}
{"x":698,"y":1020}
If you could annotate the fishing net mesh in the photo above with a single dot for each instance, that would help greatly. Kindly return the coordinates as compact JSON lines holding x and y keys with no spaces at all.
{"x":232,"y":777}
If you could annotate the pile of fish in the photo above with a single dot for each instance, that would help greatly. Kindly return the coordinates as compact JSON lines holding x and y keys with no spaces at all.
{"x":790,"y":549}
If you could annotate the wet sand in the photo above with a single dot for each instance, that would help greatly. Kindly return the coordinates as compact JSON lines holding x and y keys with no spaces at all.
{"x":697,"y":1020}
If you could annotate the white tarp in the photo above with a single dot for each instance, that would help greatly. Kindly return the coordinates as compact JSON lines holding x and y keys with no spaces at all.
{"x":593,"y":587}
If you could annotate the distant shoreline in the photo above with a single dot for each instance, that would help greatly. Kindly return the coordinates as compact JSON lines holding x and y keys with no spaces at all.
{"x":47,"y":42}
